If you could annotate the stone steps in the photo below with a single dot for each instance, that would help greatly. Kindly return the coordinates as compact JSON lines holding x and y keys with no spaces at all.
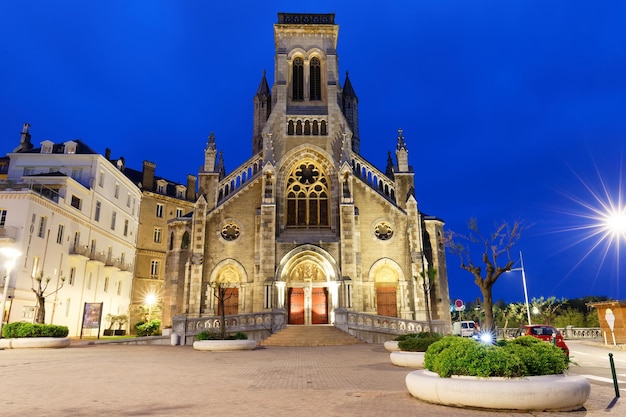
{"x":317,"y":335}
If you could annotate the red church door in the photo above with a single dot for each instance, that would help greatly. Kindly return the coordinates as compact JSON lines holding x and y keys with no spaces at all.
{"x":296,"y":306}
{"x":319,"y":302}
{"x":386,"y":301}
{"x":231,"y":302}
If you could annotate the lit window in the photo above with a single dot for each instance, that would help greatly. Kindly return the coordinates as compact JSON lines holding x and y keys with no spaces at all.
{"x":159,"y":210}
{"x":154,"y":269}
{"x":307,"y":196}
{"x":157,"y":234}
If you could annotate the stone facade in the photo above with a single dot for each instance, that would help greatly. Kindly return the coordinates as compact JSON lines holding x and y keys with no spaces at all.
{"x":306,"y":224}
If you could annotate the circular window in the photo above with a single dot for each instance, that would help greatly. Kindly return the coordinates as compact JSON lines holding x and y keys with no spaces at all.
{"x":383,"y":231}
{"x":230,"y":231}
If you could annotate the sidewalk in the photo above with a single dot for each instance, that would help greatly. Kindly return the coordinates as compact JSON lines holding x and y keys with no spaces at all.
{"x":130,"y":380}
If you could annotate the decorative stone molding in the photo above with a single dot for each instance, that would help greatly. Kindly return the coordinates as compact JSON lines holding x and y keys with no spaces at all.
{"x":537,"y":393}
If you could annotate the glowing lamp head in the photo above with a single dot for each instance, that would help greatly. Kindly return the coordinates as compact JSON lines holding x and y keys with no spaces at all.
{"x":150,"y":299}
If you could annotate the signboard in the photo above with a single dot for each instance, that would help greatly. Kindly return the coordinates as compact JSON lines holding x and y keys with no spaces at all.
{"x":458,"y":305}
{"x":92,"y":317}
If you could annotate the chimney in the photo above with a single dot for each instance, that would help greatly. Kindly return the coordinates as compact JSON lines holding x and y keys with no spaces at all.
{"x":25,"y":144}
{"x":191,"y":188}
{"x":148,"y":175}
{"x":107,"y":154}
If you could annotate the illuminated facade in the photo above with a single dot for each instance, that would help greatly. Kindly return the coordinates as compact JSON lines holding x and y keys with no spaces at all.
{"x":306,"y":225}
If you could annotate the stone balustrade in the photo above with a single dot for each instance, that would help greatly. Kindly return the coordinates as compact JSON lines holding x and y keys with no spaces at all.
{"x":569,"y":332}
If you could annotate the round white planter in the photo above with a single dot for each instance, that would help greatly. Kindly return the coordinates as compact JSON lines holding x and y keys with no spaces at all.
{"x":222,"y":345}
{"x":392,"y":346}
{"x":35,"y":342}
{"x":407,"y":359}
{"x":538,"y":393}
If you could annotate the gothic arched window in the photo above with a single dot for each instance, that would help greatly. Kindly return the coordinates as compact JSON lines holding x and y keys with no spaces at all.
{"x":298,"y":79}
{"x":307,"y":197}
{"x":315,"y":85}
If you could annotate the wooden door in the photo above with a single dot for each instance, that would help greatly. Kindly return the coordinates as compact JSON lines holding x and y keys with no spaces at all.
{"x":319,"y":302}
{"x":231,"y":302}
{"x":386,"y":301}
{"x":296,"y":306}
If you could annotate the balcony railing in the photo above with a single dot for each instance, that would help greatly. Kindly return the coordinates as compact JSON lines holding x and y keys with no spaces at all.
{"x":8,"y":233}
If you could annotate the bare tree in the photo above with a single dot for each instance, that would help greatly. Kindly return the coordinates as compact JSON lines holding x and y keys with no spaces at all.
{"x":493,"y":248}
{"x":39,"y":287}
{"x":428,"y":282}
{"x":222,"y":294}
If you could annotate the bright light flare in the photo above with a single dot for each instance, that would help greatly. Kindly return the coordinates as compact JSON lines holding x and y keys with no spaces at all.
{"x":615,"y":222}
{"x":151,"y":299}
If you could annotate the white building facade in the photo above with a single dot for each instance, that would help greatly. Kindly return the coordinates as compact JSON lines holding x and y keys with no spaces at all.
{"x":73,"y":215}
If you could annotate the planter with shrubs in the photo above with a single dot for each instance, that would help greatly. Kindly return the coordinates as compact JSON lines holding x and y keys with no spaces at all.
{"x":28,"y":335}
{"x":411,"y":348}
{"x":519,"y":374}
{"x":209,"y":341}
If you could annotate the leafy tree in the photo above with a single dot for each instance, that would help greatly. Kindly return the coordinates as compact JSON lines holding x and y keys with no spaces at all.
{"x":39,"y":287}
{"x":547,"y":307}
{"x":493,"y":248}
{"x":569,"y":317}
{"x":513,"y":313}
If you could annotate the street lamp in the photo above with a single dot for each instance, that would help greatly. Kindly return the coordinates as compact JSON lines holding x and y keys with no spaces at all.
{"x":524,"y":282}
{"x":11,"y":256}
{"x":150,"y":300}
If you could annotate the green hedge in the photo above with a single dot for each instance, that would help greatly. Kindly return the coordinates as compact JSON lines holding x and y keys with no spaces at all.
{"x":525,"y":356}
{"x":23,"y":329}
{"x":417,"y":342}
{"x":149,"y":328}
{"x":207,"y":335}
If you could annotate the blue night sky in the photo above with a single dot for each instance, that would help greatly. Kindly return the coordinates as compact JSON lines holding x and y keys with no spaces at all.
{"x":511,"y":110}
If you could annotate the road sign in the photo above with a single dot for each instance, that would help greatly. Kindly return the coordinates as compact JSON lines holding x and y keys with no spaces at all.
{"x":458,"y":305}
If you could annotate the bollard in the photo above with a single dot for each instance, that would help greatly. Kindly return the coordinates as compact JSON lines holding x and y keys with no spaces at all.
{"x":614,"y":375}
{"x":174,"y":341}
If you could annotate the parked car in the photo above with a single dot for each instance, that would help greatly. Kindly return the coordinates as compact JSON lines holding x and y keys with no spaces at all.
{"x":545,"y":333}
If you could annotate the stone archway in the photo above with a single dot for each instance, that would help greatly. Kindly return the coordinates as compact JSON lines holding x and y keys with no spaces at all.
{"x":386,"y":275}
{"x":308,"y":277}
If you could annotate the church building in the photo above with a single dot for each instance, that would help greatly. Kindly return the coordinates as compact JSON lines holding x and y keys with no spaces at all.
{"x":307,"y":225}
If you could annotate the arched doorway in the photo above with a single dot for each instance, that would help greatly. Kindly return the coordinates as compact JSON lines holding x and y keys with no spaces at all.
{"x":308,"y":275}
{"x":386,"y":274}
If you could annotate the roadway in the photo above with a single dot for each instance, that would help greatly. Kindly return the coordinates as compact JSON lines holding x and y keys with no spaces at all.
{"x":591,"y":360}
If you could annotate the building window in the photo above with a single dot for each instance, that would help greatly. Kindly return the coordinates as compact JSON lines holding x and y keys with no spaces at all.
{"x":315,"y":84}
{"x":154,"y":269}
{"x":119,"y":288}
{"x":268,"y":297}
{"x":184,"y":244}
{"x":179,"y":212}
{"x":42,"y":227}
{"x":128,"y":200}
{"x":230,"y":231}
{"x":307,"y":197}
{"x":89,"y":280}
{"x":77,"y":173}
{"x":157,"y":234}
{"x":75,"y":202}
{"x":68,"y":303}
{"x":3,"y":217}
{"x":298,"y":79}
{"x":117,"y":190}
{"x":113,"y":217}
{"x":96,"y":215}
{"x":60,"y":234}
{"x":126,"y":227}
{"x":159,"y":210}
{"x":29,"y":171}
{"x":106,"y":284}
{"x":72,"y":276}
{"x":101,"y":179}
{"x":383,"y":231}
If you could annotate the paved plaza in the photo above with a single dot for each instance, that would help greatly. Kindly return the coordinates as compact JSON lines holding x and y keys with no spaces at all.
{"x":149,"y":380}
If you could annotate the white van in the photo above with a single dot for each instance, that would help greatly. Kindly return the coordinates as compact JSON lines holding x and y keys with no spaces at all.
{"x":464,"y":328}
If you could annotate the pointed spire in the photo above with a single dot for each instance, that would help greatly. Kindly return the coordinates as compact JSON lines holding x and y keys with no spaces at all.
{"x":348,"y":91}
{"x":389,"y":168}
{"x":220,"y":165}
{"x":209,"y":154}
{"x":401,"y":143}
{"x":264,"y":89}
{"x":211,"y":142}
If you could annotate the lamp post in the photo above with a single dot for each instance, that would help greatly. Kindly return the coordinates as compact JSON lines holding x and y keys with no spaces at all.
{"x":524,"y":282}
{"x":11,"y":256}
